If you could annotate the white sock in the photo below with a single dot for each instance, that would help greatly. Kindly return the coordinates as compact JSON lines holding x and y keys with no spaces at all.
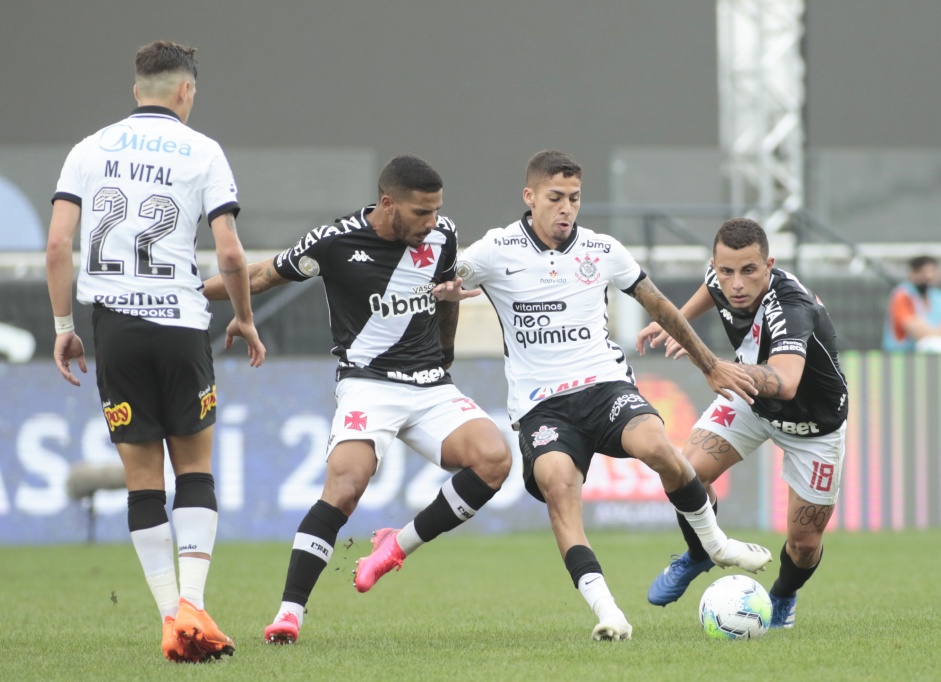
{"x":408,"y":539}
{"x":597,"y":595}
{"x":193,"y":574}
{"x":707,"y":528}
{"x":293,"y":608}
{"x":154,"y":547}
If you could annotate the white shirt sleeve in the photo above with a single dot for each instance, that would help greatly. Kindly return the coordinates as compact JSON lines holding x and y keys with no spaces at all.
{"x":473,"y":265}
{"x":625,"y":271}
{"x":219,"y":189}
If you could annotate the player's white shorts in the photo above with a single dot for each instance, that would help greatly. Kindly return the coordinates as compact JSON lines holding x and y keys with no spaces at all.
{"x":812,"y":465}
{"x":380,"y":411}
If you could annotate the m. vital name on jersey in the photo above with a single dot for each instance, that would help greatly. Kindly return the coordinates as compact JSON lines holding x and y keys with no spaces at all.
{"x":395,"y":306}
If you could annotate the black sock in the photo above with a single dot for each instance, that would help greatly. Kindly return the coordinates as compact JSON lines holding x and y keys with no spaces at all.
{"x":580,"y":560}
{"x":791,"y":577}
{"x":195,"y":490}
{"x":696,"y":550}
{"x":146,"y":509}
{"x":457,"y":501}
{"x":323,"y":523}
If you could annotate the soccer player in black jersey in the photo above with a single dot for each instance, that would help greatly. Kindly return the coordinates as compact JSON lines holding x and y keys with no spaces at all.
{"x":784,"y":338}
{"x":394,"y":337}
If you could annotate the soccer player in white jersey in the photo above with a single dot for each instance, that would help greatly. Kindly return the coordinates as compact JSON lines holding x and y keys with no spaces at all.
{"x":136,"y":190}
{"x":784,"y":339}
{"x":571,"y":391}
{"x":394,"y":339}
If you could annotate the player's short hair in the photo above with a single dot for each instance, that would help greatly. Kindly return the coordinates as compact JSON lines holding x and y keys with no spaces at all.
{"x":550,"y":162}
{"x":918,"y":262}
{"x":738,"y":233}
{"x":162,"y":57}
{"x":407,"y":173}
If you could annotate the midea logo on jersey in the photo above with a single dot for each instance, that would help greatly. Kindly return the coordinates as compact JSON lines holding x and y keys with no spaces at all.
{"x":119,"y":137}
{"x":396,"y":307}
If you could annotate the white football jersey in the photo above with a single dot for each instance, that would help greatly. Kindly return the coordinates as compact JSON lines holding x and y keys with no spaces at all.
{"x":552,"y":305}
{"x":142,"y":185}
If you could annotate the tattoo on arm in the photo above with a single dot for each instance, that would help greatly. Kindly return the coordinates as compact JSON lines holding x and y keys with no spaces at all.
{"x":662,"y":310}
{"x":766,"y":380}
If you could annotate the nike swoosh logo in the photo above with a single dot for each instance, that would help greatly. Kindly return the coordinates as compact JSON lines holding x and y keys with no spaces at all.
{"x":634,"y":407}
{"x":589,"y":582}
{"x":513,"y":272}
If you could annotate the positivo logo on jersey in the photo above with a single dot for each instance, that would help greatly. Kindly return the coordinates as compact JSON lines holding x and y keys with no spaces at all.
{"x":119,"y":137}
{"x":395,"y":306}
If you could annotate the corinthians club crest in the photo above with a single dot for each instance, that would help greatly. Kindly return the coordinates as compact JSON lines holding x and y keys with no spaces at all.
{"x":586,"y":269}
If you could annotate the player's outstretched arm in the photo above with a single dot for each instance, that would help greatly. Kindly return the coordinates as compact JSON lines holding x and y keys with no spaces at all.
{"x":723,"y":377}
{"x":778,"y":378}
{"x":698,"y":304}
{"x":452,"y":291}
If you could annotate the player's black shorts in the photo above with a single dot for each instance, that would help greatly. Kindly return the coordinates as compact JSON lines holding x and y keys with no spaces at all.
{"x":580,"y":424}
{"x":154,"y":380}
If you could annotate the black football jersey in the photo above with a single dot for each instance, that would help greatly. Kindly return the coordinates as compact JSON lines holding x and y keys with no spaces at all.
{"x":792,"y":320}
{"x":382,"y":312}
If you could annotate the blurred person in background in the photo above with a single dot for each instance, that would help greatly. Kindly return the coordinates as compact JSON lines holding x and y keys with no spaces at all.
{"x":913,"y":316}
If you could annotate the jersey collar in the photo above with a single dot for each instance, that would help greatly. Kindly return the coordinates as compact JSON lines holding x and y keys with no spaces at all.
{"x":155,"y":110}
{"x":562,"y":248}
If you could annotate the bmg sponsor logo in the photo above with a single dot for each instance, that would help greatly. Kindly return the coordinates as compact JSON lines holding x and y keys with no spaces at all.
{"x":511,"y":241}
{"x":396,"y":306}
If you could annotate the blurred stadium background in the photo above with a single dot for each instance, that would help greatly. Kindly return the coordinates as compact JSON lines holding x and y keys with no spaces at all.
{"x":818,"y":118}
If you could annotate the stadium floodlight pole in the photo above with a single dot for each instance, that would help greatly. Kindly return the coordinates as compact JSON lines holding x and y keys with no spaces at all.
{"x":761,"y":118}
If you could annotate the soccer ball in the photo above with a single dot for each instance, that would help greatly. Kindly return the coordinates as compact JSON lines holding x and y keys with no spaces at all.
{"x":735,"y":607}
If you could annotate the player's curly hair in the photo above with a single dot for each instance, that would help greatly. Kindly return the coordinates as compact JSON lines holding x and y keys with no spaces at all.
{"x":163,"y":56}
{"x":407,"y":173}
{"x":738,"y":233}
{"x":550,"y":162}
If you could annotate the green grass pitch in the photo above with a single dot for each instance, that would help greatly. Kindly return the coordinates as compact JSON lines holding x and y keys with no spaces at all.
{"x":468,"y":608}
